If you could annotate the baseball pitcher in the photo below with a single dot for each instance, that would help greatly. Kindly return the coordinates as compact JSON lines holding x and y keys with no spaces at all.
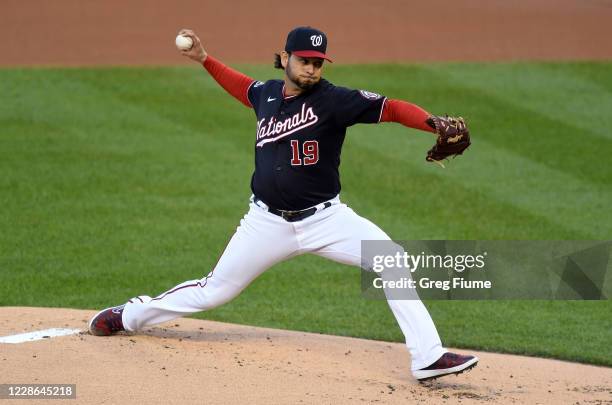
{"x":295,"y":206}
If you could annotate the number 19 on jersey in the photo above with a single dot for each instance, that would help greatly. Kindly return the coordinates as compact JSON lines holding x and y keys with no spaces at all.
{"x":308,"y":155}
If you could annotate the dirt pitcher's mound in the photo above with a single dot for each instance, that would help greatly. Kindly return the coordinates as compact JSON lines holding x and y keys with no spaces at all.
{"x":192,"y":361}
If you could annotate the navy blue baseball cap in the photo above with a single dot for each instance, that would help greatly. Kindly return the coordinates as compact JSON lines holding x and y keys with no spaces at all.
{"x":307,"y":42}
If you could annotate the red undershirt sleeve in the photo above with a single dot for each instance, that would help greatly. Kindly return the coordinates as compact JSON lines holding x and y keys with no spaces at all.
{"x":405,"y":113}
{"x":235,"y":83}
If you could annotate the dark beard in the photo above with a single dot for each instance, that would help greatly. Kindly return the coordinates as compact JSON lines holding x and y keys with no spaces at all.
{"x":297,"y":81}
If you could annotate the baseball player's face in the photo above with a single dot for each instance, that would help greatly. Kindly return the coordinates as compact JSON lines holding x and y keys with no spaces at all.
{"x":304,"y":72}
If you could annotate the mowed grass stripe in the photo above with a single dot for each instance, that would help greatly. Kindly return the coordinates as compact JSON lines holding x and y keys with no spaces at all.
{"x":430,"y":191}
{"x":494,"y":116}
{"x":180,"y":143}
{"x":526,"y":128}
{"x":565,"y":93}
{"x":129,"y":177}
{"x":529,"y":193}
{"x":82,"y":99}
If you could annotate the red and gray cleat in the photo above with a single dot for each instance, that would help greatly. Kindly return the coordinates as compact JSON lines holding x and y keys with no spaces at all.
{"x":449,"y":363}
{"x":107,"y":322}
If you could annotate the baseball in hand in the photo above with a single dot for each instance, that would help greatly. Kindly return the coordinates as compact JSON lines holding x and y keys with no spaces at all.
{"x":183,"y":43}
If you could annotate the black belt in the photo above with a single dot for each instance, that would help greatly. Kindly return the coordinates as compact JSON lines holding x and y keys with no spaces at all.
{"x":294,"y":216}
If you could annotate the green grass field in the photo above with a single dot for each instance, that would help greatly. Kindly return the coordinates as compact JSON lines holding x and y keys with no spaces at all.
{"x":126,"y":181}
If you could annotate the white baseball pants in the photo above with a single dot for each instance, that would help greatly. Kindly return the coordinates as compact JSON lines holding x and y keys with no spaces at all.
{"x":264,"y":239}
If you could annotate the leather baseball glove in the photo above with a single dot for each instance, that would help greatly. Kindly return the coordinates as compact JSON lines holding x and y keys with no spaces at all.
{"x":453,"y":138}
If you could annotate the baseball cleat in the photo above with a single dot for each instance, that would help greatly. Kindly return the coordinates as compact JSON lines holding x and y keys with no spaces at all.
{"x":449,"y":363}
{"x":107,"y":322}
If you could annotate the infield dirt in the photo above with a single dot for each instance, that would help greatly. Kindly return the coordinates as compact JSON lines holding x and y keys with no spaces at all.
{"x":77,"y":32}
{"x":202,"y":362}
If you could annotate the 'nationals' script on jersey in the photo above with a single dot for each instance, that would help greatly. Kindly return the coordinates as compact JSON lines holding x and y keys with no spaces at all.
{"x":299,"y":140}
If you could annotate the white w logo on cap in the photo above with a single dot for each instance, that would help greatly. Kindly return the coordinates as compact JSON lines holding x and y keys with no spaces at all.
{"x":317,"y":40}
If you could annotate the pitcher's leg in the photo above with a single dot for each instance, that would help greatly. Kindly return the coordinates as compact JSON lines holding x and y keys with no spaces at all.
{"x":337,"y":236}
{"x":260,"y":241}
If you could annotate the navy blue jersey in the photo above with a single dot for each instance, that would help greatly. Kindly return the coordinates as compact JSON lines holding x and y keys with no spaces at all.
{"x":299,"y":140}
